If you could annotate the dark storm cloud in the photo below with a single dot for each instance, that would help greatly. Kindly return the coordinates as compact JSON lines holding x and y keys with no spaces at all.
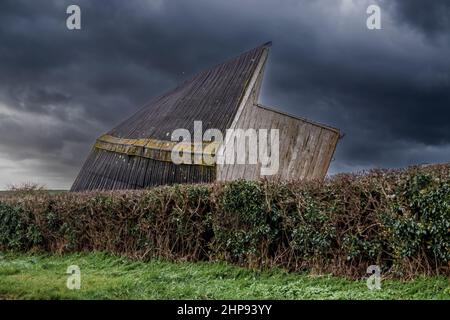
{"x":431,"y":17}
{"x":387,"y":90}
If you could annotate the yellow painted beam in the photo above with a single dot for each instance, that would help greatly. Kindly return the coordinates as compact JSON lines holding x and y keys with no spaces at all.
{"x":154,"y":149}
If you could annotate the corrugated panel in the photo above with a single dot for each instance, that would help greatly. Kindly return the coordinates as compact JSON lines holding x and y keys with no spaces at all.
{"x":106,"y":170}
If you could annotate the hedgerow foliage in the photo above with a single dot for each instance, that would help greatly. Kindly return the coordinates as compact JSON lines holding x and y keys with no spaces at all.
{"x":399,"y":220}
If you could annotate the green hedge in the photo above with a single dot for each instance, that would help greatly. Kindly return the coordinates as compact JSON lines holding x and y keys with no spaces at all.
{"x":399,"y":220}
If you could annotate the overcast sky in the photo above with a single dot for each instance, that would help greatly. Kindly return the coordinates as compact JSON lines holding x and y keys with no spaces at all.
{"x":388,"y":90}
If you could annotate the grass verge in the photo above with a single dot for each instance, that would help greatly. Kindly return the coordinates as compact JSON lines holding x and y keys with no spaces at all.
{"x":27,"y":276}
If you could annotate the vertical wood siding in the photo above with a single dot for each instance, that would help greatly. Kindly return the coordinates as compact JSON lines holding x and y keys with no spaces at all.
{"x":306,"y":148}
{"x":106,"y":170}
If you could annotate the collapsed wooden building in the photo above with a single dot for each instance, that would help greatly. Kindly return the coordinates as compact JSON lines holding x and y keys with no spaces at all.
{"x":137,"y":153}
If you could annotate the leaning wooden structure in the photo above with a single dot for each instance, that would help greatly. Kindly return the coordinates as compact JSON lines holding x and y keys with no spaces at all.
{"x":137,"y":153}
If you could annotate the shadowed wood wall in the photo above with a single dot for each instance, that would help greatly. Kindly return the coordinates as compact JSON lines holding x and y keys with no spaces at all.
{"x":305,"y":149}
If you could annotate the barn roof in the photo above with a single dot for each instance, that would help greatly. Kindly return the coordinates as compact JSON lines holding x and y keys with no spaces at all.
{"x":137,"y":153}
{"x":212,"y":96}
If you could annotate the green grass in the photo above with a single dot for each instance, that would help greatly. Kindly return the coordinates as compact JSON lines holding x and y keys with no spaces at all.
{"x":24,"y":276}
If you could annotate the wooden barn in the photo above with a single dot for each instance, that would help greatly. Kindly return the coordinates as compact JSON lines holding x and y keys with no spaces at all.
{"x":137,"y":153}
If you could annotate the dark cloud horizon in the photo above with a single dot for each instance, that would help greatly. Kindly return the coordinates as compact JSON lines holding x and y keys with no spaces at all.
{"x":388,"y":90}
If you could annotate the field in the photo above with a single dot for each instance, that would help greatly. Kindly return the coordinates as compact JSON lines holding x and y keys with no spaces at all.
{"x":209,"y":241}
{"x":103,"y":276}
